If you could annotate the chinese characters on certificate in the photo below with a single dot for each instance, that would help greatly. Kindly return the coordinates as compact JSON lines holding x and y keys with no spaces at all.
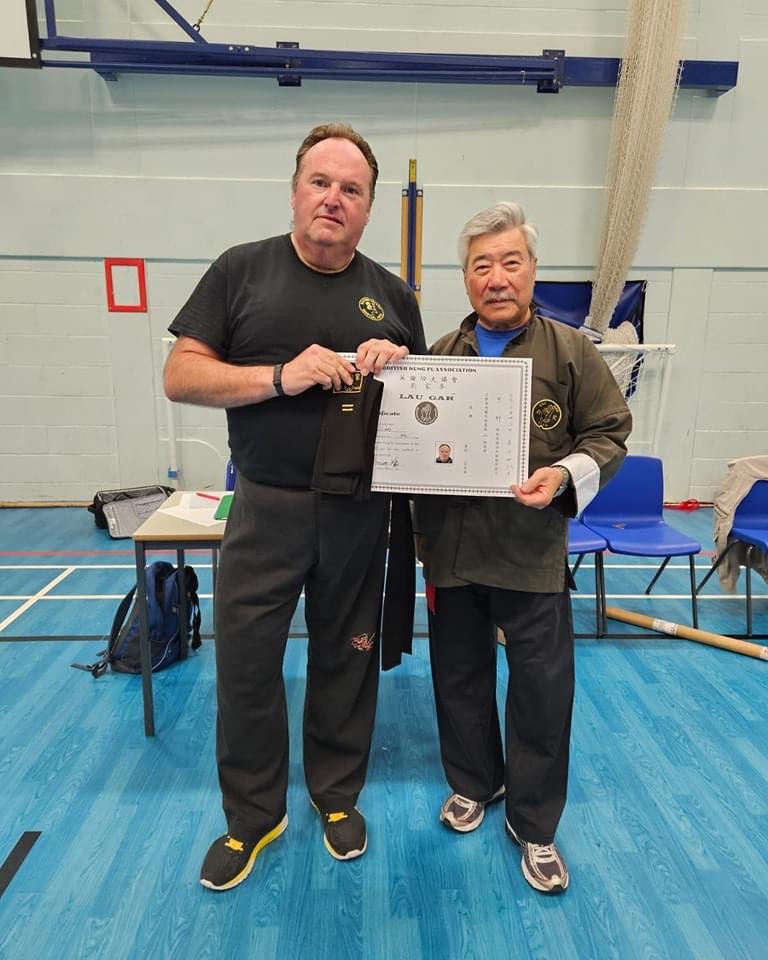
{"x":453,"y":425}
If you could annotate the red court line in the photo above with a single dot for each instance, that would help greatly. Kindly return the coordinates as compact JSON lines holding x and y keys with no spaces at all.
{"x":85,"y":553}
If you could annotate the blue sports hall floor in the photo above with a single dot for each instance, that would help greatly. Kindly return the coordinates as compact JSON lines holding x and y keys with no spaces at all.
{"x":665,"y":832}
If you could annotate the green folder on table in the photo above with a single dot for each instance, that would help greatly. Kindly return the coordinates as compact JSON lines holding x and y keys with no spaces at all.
{"x":222,"y":511}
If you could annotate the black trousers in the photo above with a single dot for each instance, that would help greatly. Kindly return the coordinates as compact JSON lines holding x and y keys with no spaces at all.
{"x":277,"y":541}
{"x":539,"y":702}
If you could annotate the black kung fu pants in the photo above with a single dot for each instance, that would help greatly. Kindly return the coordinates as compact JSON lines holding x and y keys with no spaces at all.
{"x":539,"y":704}
{"x":277,"y":541}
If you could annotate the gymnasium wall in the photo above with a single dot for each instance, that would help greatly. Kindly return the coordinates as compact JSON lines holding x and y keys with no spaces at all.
{"x":175,"y":169}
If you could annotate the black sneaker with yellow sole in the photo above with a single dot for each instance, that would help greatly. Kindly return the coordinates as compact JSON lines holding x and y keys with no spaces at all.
{"x":344,"y":833}
{"x":229,"y":860}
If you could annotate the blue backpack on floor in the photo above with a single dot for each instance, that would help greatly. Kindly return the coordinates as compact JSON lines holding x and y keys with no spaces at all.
{"x":166,"y":642}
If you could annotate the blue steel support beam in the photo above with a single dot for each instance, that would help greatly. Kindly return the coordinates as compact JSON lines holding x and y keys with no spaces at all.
{"x":719,"y":76}
{"x":411,"y":279}
{"x":108,"y":66}
{"x":549,"y":72}
{"x":50,"y":18}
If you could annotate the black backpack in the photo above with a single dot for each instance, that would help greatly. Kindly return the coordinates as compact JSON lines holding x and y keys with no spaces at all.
{"x":166,"y":643}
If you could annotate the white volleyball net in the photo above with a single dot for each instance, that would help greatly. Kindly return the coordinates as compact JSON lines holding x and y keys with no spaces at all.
{"x":642,"y":370}
{"x":645,"y":95}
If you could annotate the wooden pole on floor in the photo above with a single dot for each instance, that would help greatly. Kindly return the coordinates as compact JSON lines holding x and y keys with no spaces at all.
{"x":688,"y":633}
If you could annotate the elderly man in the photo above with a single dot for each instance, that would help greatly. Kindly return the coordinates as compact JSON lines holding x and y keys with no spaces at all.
{"x":490,"y":561}
{"x":261,"y":336}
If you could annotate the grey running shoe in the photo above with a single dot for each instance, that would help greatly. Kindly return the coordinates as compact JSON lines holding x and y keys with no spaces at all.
{"x":462,"y":814}
{"x":543,"y":865}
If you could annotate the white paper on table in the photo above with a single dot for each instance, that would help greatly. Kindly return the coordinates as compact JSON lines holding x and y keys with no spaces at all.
{"x":478,"y":406}
{"x":196,"y":509}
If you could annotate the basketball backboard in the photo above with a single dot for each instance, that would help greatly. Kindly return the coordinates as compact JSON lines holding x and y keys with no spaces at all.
{"x":19,"y":40}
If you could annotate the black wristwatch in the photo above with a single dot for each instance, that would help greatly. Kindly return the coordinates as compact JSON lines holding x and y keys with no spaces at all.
{"x":277,"y":379}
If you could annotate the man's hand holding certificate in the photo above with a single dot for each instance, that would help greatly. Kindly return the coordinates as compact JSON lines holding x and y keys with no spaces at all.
{"x":453,"y":425}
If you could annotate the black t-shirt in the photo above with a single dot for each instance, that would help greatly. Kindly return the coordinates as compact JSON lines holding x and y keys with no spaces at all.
{"x":259,"y":304}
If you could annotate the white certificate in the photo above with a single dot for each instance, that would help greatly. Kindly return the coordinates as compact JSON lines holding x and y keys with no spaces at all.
{"x":453,"y":425}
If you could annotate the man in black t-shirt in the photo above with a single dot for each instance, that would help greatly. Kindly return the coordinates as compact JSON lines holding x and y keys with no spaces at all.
{"x":261,"y":337}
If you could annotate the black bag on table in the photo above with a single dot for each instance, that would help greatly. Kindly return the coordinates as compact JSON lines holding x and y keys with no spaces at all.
{"x":122,"y":517}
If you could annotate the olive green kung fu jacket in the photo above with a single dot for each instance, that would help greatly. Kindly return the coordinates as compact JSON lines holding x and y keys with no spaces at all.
{"x":583,"y":423}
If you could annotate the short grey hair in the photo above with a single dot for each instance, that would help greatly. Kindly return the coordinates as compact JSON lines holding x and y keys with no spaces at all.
{"x":504,"y":215}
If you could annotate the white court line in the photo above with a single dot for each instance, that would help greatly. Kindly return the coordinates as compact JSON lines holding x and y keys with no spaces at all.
{"x":575,"y":595}
{"x":79,"y":566}
{"x":608,"y":565}
{"x":32,"y":600}
{"x":671,"y":596}
{"x":68,"y":596}
{"x":83,"y":596}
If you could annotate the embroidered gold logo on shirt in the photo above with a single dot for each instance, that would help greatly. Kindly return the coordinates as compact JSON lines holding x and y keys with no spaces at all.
{"x":371,"y":309}
{"x":546,"y":414}
{"x":355,"y":387}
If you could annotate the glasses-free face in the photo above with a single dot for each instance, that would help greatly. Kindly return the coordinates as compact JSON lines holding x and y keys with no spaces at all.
{"x":499,"y":279}
{"x":331,"y":202}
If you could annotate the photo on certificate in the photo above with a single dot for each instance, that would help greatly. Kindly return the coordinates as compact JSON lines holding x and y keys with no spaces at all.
{"x":453,"y":425}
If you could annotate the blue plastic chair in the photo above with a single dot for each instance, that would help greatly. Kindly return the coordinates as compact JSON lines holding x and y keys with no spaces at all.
{"x":750,"y":526}
{"x":581,"y":541}
{"x":628,"y":513}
